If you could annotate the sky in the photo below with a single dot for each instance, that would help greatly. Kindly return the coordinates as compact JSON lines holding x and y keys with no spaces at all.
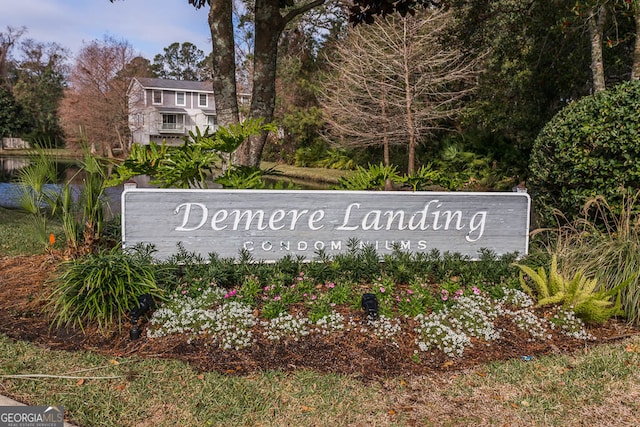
{"x":148,"y":25}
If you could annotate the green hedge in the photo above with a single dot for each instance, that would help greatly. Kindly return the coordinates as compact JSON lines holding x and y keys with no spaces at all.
{"x":591,"y":147}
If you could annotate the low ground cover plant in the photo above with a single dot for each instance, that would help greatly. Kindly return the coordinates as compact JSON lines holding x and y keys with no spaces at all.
{"x":225,"y":318}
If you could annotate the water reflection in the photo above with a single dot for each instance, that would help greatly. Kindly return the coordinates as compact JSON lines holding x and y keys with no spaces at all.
{"x":67,"y":171}
{"x":9,"y":167}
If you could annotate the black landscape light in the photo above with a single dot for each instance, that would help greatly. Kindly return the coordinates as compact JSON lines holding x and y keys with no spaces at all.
{"x":370,"y":305}
{"x":145,"y":303}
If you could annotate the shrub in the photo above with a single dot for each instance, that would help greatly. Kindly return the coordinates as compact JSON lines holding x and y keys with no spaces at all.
{"x":375,"y":177}
{"x":580,"y":294}
{"x":591,"y":147}
{"x":102,"y":287}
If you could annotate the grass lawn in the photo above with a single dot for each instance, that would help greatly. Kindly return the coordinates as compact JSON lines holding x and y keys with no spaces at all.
{"x":17,"y":236}
{"x":599,"y":386}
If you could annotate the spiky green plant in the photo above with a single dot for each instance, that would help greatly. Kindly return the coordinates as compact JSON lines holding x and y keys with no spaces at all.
{"x":190,"y":164}
{"x":428,"y":177}
{"x":374,"y":177}
{"x":36,"y":198}
{"x":81,"y":204}
{"x":579,"y":294}
{"x":101,"y":288}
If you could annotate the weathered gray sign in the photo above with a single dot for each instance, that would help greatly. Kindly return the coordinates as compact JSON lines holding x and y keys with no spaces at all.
{"x":271,"y":224}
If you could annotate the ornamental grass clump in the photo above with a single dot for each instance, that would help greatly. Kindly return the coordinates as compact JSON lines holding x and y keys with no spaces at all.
{"x":102,"y":288}
{"x":604,"y":241}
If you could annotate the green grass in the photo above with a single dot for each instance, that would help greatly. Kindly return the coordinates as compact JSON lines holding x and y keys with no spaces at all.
{"x":331,"y":176}
{"x":18,"y":236}
{"x":132,"y":392}
{"x":54,"y":152}
{"x":590,"y":387}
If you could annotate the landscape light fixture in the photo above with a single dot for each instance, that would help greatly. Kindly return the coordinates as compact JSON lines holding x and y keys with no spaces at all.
{"x":145,"y":303}
{"x":370,"y":305}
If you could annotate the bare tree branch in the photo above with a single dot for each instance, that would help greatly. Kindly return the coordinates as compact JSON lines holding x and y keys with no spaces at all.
{"x":394,"y":82}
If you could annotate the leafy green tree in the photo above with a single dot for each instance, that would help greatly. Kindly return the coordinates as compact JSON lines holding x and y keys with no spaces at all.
{"x":8,"y":40}
{"x":13,"y":121}
{"x":297,"y":109}
{"x":139,"y":67}
{"x":32,"y":87}
{"x":39,"y":87}
{"x":539,"y":57}
{"x":180,"y":62}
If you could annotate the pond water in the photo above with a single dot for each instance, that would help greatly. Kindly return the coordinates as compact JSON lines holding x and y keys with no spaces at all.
{"x":10,"y":167}
{"x":67,"y":170}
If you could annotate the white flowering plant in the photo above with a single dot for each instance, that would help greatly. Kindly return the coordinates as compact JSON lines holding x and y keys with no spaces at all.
{"x":441,"y":311}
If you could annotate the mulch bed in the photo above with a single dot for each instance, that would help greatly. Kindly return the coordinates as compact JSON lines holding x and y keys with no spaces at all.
{"x":23,"y":289}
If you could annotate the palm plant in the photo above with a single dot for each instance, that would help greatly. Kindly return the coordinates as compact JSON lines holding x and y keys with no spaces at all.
{"x":81,"y":209}
{"x":37,"y":195}
{"x":192,"y":163}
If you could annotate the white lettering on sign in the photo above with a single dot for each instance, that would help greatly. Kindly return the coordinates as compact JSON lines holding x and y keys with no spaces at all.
{"x":431,"y":216}
{"x":222,"y":218}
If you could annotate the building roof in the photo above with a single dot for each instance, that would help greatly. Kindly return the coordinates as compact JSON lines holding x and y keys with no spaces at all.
{"x":172,"y":110}
{"x":187,"y":85}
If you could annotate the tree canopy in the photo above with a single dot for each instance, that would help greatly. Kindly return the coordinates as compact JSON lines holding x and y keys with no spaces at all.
{"x":181,"y":62}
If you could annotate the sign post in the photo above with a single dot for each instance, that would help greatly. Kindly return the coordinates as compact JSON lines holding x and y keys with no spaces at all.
{"x":271,"y":224}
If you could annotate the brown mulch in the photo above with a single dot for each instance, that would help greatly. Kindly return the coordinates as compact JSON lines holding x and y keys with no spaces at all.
{"x":23,"y":289}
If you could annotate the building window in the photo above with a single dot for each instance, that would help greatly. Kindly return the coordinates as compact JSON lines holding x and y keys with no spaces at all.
{"x":181,"y":98}
{"x":202,"y":100}
{"x":172,"y":121}
{"x":139,"y":119}
{"x":157,"y":97}
{"x":212,"y":122}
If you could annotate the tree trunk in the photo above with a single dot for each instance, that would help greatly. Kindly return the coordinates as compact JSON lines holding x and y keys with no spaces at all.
{"x":408,"y":96}
{"x":269,"y":24}
{"x":385,"y":131}
{"x":223,"y":67}
{"x":635,"y":71}
{"x":596,"y":22}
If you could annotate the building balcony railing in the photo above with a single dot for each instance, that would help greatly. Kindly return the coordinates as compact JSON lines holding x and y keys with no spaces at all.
{"x":171,"y":128}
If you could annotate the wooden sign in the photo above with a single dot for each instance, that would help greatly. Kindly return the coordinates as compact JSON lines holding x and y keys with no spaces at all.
{"x":272,"y":223}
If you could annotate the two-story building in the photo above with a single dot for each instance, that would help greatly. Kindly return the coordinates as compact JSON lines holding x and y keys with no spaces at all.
{"x":166,"y":110}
